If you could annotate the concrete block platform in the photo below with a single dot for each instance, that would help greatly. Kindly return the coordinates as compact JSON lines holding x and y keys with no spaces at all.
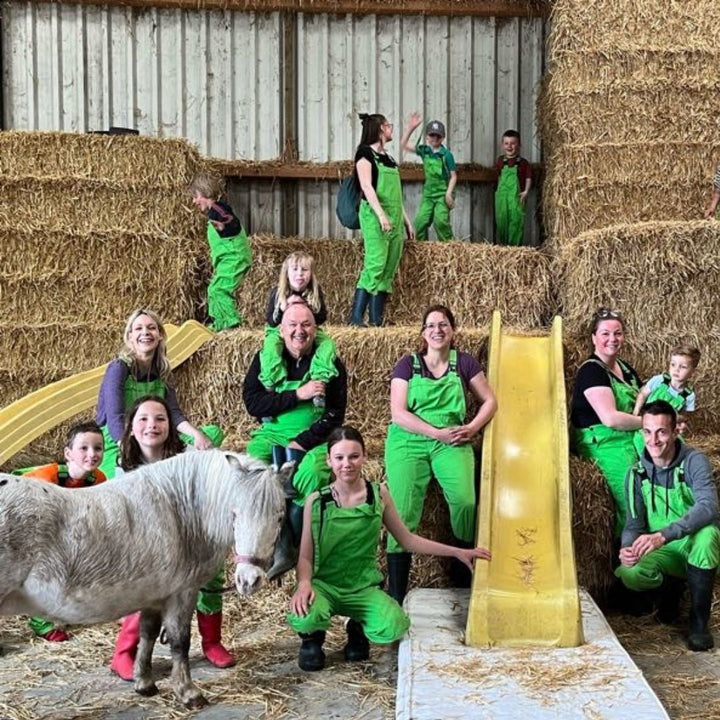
{"x":440,"y":678}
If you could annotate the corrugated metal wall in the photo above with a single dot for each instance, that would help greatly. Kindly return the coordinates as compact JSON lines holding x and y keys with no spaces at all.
{"x":216,"y":78}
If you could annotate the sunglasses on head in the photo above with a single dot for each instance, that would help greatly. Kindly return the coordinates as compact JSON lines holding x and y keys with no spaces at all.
{"x":604,"y":313}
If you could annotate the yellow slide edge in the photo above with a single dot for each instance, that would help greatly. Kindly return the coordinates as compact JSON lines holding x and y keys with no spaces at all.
{"x":31,"y":416}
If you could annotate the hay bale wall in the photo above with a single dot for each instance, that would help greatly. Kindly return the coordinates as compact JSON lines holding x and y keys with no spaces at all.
{"x":473,"y":279}
{"x":629,"y":113}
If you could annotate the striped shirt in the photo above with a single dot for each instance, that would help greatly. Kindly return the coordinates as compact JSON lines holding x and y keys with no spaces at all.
{"x":716,"y":181}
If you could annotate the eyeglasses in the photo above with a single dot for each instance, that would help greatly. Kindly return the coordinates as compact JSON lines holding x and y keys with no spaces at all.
{"x":604,"y":313}
{"x":436,"y":326}
{"x":388,"y":124}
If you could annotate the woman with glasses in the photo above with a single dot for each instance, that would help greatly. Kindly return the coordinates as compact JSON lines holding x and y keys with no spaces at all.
{"x":383,"y":220}
{"x":602,"y":407}
{"x":429,"y":435}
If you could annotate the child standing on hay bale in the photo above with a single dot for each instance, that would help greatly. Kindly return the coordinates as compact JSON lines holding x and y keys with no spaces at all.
{"x":337,"y":569}
{"x":382,"y":217}
{"x":673,"y":387}
{"x":230,"y":251}
{"x":149,"y":436}
{"x":297,"y":284}
{"x":513,"y":185}
{"x":83,"y":453}
{"x":142,"y":368}
{"x":712,"y":209}
{"x":440,"y":178}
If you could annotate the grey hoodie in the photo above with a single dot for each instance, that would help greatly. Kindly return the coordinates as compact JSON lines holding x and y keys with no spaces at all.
{"x":697,"y":474}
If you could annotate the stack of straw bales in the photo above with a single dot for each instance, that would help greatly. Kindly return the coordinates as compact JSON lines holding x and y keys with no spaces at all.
{"x":473,"y":279}
{"x":91,"y":226}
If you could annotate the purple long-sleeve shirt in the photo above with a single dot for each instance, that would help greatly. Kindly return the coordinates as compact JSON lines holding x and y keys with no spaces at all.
{"x":111,"y":399}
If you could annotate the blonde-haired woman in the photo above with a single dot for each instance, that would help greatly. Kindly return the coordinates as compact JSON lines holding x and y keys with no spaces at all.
{"x":142,"y":368}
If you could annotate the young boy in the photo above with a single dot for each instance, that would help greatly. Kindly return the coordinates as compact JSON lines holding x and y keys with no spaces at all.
{"x":513,"y":185}
{"x":83,"y":454}
{"x":712,"y":209}
{"x":673,"y":387}
{"x":230,"y":251}
{"x":440,"y":179}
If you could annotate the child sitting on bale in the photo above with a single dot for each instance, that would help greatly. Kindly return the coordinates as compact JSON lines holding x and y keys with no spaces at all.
{"x":337,"y":569}
{"x":83,"y":454}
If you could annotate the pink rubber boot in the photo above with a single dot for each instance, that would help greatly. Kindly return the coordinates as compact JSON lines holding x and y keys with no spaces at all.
{"x":123,"y":661}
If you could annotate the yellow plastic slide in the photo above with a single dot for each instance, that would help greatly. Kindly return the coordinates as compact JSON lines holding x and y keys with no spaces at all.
{"x":527,"y":594}
{"x":26,"y":419}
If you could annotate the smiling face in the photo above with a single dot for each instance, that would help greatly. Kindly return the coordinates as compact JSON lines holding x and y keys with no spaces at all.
{"x":511,"y":146}
{"x":608,"y":339}
{"x":346,"y":459}
{"x":298,"y":330}
{"x":438,"y":332}
{"x":659,"y":435}
{"x":143,"y":336}
{"x":151,"y":428}
{"x":84,"y":454}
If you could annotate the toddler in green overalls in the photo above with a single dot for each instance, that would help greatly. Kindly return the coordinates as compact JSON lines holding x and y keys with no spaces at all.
{"x":230,"y":251}
{"x":297,"y":283}
{"x":337,"y":570}
{"x":711,"y":211}
{"x":513,"y":185}
{"x":440,"y":178}
{"x":673,"y":387}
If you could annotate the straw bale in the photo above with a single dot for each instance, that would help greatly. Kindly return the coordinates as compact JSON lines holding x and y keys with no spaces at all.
{"x":660,"y":274}
{"x":609,"y":26}
{"x":472,"y":279}
{"x":140,"y":163}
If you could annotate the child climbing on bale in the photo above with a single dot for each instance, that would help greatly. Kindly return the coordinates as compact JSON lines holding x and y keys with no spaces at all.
{"x":297,"y":284}
{"x":513,"y":185}
{"x":337,"y":569}
{"x":711,"y":211}
{"x":672,"y":386}
{"x":83,"y":454}
{"x":440,"y":178}
{"x":230,"y":251}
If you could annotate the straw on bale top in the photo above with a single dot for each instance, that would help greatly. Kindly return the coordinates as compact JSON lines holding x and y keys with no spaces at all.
{"x":472,"y":279}
{"x":129,"y":161}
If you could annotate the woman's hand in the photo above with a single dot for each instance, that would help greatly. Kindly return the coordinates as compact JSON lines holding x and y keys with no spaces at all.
{"x":444,"y":435}
{"x":201,"y":441}
{"x":410,"y":231}
{"x":461,"y":435}
{"x":449,"y":201}
{"x":310,"y":389}
{"x":385,"y":224}
{"x":467,"y":555}
{"x":303,"y":598}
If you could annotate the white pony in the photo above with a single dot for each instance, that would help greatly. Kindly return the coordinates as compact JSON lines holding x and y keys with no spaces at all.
{"x":148,"y":541}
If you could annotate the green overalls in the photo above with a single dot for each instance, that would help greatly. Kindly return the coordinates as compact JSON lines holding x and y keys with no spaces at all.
{"x":231,"y":258}
{"x":272,"y":367}
{"x":433,"y":208}
{"x":509,"y":211}
{"x":411,"y":458}
{"x":676,"y":398}
{"x":133,"y":390}
{"x":313,"y":471}
{"x":613,"y":451}
{"x":382,"y":249}
{"x":701,"y":549}
{"x":346,"y":579}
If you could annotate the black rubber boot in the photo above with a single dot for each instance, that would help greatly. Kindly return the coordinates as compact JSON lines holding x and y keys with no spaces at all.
{"x":311,"y":656}
{"x":460,"y":574}
{"x":360,"y":303}
{"x":296,"y":456}
{"x":357,"y":647}
{"x":398,"y":574}
{"x":668,"y":603}
{"x":629,"y":602}
{"x":377,"y":309}
{"x":701,"y":583}
{"x":278,"y":456}
{"x":287,"y":547}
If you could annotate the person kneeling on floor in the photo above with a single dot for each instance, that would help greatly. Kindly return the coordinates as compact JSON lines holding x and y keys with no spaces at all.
{"x":337,"y":570}
{"x":671,"y":531}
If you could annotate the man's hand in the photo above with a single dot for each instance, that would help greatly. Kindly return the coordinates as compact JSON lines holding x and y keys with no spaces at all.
{"x":647,"y":543}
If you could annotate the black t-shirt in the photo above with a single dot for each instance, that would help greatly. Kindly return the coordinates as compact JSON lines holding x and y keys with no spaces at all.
{"x":366,"y":152}
{"x":593,"y":373}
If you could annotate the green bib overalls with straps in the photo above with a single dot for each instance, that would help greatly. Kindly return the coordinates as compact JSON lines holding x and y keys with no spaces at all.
{"x":433,"y":209}
{"x":509,"y":211}
{"x":612,"y":450}
{"x":346,"y":579}
{"x":313,"y":472}
{"x":411,"y":458}
{"x":383,"y":250}
{"x":662,"y":507}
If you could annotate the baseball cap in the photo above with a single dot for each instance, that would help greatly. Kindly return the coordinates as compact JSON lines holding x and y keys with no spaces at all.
{"x":435,"y":127}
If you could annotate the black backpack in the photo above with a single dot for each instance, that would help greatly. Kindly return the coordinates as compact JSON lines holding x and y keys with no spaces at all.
{"x":348,"y":203}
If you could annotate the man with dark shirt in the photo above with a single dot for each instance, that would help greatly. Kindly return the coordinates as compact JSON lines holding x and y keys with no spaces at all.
{"x":293,"y":428}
